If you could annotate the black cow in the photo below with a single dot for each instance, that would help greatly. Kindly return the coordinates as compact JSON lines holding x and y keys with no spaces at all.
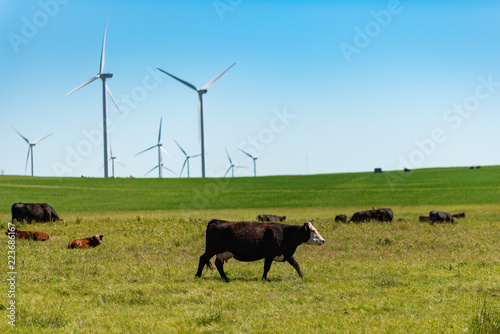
{"x":440,"y":217}
{"x":459,"y":215}
{"x":271,"y":218}
{"x":362,"y":216}
{"x":381,"y":215}
{"x":384,"y":215}
{"x":252,"y":241}
{"x":341,"y":218}
{"x":424,"y":218}
{"x":38,"y":212}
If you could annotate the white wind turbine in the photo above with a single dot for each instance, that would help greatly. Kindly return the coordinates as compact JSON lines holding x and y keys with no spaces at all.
{"x":30,"y":150}
{"x":103,"y":76}
{"x":200,"y":91}
{"x":186,"y":161}
{"x":160,"y":149}
{"x":254,"y":158}
{"x":113,"y":160}
{"x":232,"y":166}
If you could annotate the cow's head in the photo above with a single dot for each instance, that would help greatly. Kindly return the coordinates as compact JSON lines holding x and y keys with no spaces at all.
{"x":95,"y":240}
{"x":314,"y":237}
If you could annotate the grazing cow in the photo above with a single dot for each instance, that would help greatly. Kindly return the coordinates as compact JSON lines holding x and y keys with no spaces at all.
{"x":459,"y":215}
{"x":381,"y":215}
{"x":384,"y":215}
{"x":439,"y":217}
{"x":424,"y":218}
{"x":30,"y":235}
{"x":271,"y":218}
{"x":91,"y":242}
{"x":341,"y":218}
{"x":363,"y":216}
{"x":251,"y":241}
{"x":38,"y":212}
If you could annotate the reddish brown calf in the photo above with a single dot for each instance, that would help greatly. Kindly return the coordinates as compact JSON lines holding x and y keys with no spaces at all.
{"x":91,"y":242}
{"x":30,"y":235}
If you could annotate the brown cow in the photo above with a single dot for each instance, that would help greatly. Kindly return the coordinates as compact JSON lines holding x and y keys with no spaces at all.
{"x":91,"y":242}
{"x":30,"y":235}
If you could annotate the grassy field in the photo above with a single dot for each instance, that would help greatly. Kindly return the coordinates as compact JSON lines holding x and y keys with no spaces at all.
{"x":404,"y":277}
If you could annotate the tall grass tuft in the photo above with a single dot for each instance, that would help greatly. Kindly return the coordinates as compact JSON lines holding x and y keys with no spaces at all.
{"x":486,"y":320}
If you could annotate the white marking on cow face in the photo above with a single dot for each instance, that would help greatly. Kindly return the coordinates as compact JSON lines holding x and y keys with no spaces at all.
{"x":315,"y":238}
{"x":224,"y":257}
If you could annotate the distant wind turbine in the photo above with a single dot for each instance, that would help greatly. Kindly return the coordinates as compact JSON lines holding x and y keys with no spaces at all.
{"x":103,"y":76}
{"x":113,"y":160}
{"x":30,"y":150}
{"x":186,"y":161}
{"x":200,"y":91}
{"x":160,"y":149}
{"x":254,"y":158}
{"x":232,"y":166}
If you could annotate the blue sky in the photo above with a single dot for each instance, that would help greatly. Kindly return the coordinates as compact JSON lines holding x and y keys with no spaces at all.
{"x":319,"y":86}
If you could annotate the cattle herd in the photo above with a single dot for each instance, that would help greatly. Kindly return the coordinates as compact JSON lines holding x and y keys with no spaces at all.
{"x":43,"y":212}
{"x":244,"y":240}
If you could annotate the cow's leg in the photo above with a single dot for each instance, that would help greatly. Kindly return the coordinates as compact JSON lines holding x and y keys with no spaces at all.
{"x":220,"y":267}
{"x":294,"y":264}
{"x":267,"y":265}
{"x":204,"y":260}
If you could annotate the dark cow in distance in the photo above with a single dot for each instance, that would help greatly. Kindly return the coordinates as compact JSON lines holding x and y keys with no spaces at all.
{"x":341,"y":218}
{"x":38,"y":212}
{"x":440,"y":217}
{"x":252,"y":241}
{"x":271,"y":218}
{"x":423,"y":218}
{"x":91,"y":242}
{"x":384,"y":215}
{"x":30,"y":235}
{"x":459,"y":215}
{"x":362,"y":216}
{"x":381,"y":215}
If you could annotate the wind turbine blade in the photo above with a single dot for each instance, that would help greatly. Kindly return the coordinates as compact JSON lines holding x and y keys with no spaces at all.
{"x":251,"y":157}
{"x":26,"y":139}
{"x":119,"y":162}
{"x":39,"y":140}
{"x":146,"y":150}
{"x":27,"y":158}
{"x":178,"y":79}
{"x":214,"y":80}
{"x":101,"y":68}
{"x":258,"y":154}
{"x":231,"y":161}
{"x":183,"y":165}
{"x":112,"y":98}
{"x":152,"y":169}
{"x":195,"y":156}
{"x":110,"y":149}
{"x":228,"y":170}
{"x":84,"y":84}
{"x":159,"y":132}
{"x":181,"y":148}
{"x":168,"y":169}
{"x":164,"y":151}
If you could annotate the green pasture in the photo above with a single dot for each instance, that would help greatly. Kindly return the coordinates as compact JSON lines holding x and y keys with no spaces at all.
{"x":403,"y":277}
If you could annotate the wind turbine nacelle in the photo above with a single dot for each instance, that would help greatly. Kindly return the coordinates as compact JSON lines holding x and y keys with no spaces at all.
{"x":106,"y":75}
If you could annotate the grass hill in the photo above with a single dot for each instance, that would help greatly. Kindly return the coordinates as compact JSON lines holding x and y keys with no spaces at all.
{"x":438,"y":186}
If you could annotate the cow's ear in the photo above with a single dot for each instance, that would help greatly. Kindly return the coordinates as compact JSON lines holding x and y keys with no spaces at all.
{"x":306,"y":226}
{"x":101,"y":236}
